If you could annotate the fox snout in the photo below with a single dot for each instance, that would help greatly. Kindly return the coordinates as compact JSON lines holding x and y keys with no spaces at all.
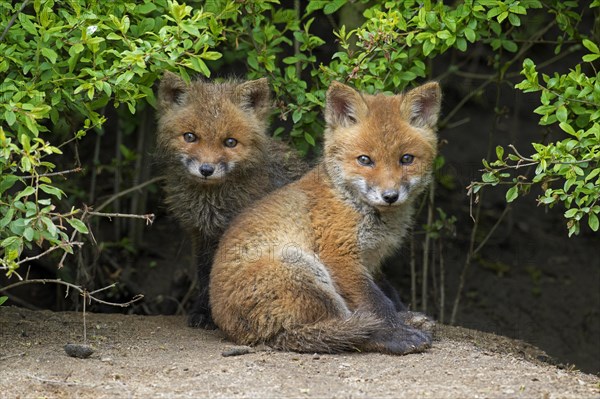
{"x":207,"y":171}
{"x":385,"y":197}
{"x":390,"y":196}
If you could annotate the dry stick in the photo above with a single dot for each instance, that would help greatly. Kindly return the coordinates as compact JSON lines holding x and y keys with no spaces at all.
{"x":125,"y":192}
{"x":12,"y":20}
{"x":85,"y":299}
{"x":148,"y":217}
{"x":46,"y":252}
{"x":13,"y":355}
{"x":470,"y":254}
{"x":442,"y":282}
{"x":426,"y":249}
{"x":413,"y":274}
{"x":64,"y":172}
{"x":83,"y":291}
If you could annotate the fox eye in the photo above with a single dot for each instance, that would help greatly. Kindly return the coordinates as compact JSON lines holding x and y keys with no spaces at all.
{"x":230,"y":142}
{"x":407,"y":159}
{"x":364,"y":160}
{"x":189,"y":137}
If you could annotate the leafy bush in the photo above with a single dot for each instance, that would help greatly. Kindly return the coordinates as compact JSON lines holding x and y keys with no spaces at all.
{"x":61,"y":65}
{"x":64,"y":65}
{"x":567,"y":170}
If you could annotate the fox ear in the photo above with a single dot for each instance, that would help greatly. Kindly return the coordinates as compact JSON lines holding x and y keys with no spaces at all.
{"x":171,"y":91}
{"x":344,"y":106}
{"x":255,"y":96}
{"x":421,"y":105}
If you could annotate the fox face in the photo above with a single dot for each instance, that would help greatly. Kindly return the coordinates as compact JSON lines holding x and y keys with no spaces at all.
{"x":211,"y":130}
{"x":380,"y":149}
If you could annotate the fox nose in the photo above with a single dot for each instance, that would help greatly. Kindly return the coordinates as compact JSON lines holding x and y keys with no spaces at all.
{"x":390,"y":196}
{"x":206,"y":170}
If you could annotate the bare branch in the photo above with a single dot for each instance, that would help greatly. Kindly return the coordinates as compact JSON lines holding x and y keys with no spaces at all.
{"x":148,"y":217}
{"x":83,"y":291}
{"x":125,"y":192}
{"x":46,"y":252}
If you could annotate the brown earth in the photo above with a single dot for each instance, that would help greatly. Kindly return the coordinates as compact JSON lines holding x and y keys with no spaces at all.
{"x":159,"y":356}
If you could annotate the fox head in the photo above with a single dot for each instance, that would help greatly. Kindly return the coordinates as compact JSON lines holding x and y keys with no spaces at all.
{"x":212,"y":130}
{"x":379,"y":148}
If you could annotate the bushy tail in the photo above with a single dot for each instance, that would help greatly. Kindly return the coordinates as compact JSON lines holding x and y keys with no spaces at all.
{"x":329,"y":336}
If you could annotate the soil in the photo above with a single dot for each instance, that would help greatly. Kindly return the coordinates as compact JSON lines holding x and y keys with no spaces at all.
{"x":159,"y":356}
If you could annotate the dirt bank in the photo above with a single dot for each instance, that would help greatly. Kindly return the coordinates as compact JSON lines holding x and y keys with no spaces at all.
{"x":158,"y":356}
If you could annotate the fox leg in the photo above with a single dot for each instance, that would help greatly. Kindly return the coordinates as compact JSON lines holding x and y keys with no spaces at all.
{"x":396,"y":337}
{"x":415,"y":319}
{"x":289,"y":304}
{"x":200,"y":315}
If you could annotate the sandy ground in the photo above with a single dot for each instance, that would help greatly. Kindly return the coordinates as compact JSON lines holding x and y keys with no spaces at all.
{"x":159,"y":356}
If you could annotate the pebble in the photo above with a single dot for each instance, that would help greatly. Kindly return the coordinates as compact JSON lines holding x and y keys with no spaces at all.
{"x":78,"y":351}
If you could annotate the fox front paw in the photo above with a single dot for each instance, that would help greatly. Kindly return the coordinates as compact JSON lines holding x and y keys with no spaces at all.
{"x":201,"y":320}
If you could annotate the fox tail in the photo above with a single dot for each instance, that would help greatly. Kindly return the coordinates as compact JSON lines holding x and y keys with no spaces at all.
{"x":328,"y":336}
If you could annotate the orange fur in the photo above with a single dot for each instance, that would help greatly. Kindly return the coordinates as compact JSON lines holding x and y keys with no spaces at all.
{"x":295,"y":270}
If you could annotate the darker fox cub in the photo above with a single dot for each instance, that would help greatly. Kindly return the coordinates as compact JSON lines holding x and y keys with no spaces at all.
{"x":216,"y":158}
{"x":295,"y":270}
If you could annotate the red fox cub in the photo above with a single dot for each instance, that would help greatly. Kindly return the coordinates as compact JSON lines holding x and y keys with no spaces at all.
{"x":295,"y":270}
{"x":217,"y":159}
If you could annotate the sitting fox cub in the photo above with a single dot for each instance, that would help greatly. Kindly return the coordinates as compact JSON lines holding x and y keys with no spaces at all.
{"x":217,"y":159}
{"x":295,"y":270}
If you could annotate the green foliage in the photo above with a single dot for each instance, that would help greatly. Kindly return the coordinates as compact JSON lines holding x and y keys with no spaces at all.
{"x":60,"y":66}
{"x":567,"y":170}
{"x":63,"y":64}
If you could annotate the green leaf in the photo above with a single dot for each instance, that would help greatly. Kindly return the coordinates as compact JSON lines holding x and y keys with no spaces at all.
{"x":145,"y":8}
{"x":470,"y":35}
{"x":500,"y":152}
{"x":309,"y":139}
{"x":588,"y":44}
{"x":512,"y":193}
{"x":3,"y":299}
{"x":7,"y":182}
{"x":28,"y":233}
{"x":200,"y":66}
{"x":590,"y":57}
{"x":593,"y":221}
{"x":78,"y":225}
{"x":26,"y":192}
{"x":333,"y":6}
{"x":567,"y":128}
{"x":562,"y":113}
{"x":50,"y":54}
{"x":52,"y":190}
{"x":571,"y":212}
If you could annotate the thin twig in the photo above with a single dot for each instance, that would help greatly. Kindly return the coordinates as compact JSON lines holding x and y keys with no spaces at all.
{"x":46,"y":252}
{"x":492,"y":230}
{"x":125,"y":192}
{"x":83,"y":291}
{"x":413,"y":275}
{"x":12,"y":20}
{"x":426,"y":247}
{"x":148,"y":217}
{"x":13,"y":355}
{"x":512,"y":147}
{"x":64,"y":172}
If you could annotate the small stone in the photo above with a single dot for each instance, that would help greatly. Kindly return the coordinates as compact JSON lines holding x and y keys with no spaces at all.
{"x":78,"y":351}
{"x":237,"y":351}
